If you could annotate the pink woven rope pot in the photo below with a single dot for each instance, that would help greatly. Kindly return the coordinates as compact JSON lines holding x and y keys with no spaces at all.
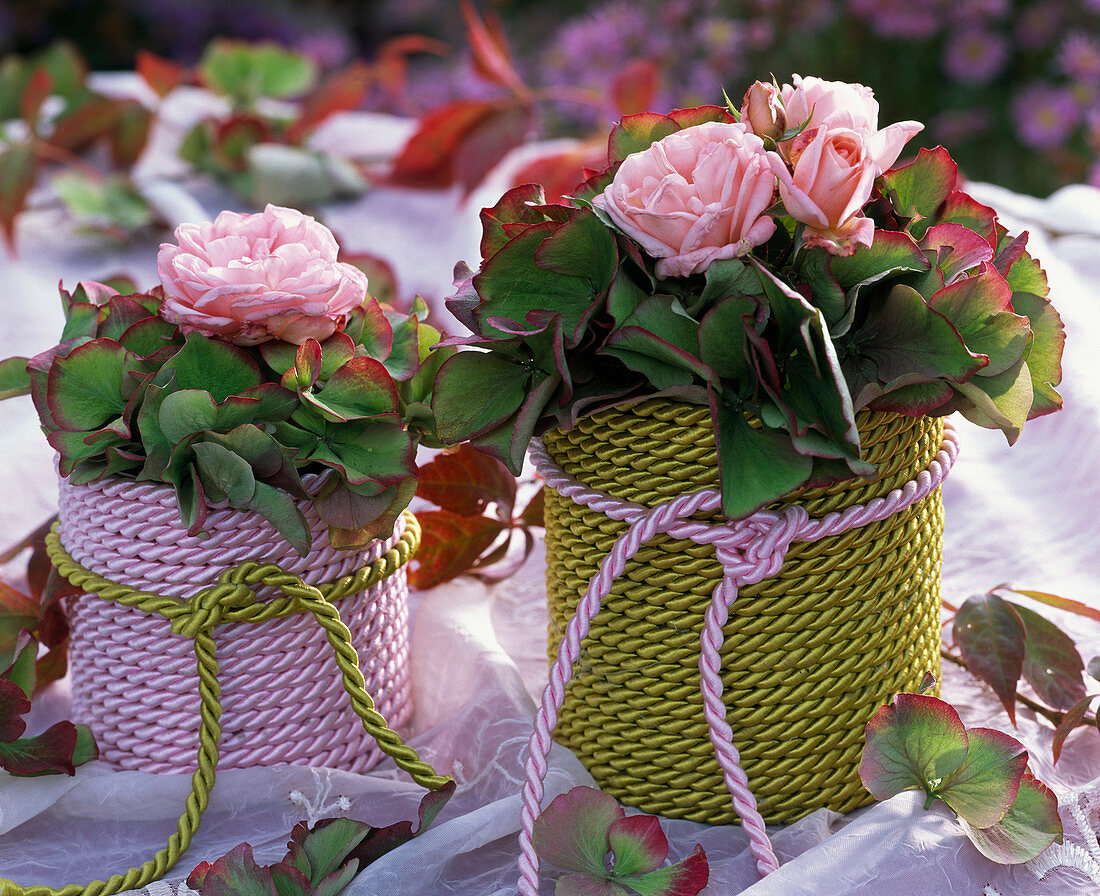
{"x":135,"y":682}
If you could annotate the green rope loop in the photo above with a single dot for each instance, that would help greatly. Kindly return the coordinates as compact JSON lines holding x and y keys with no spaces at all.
{"x":233,"y":599}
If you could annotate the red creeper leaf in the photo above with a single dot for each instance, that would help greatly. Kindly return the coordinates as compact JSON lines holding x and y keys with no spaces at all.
{"x":992,"y":640}
{"x":465,"y":481}
{"x":160,"y":74}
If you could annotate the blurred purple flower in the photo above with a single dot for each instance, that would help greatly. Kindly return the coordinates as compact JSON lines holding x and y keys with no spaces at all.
{"x":329,"y":48}
{"x":1037,"y":25}
{"x":1045,"y":115}
{"x":959,"y":125}
{"x":974,"y":56}
{"x":899,"y":18}
{"x":978,"y":11}
{"x":1080,"y":58}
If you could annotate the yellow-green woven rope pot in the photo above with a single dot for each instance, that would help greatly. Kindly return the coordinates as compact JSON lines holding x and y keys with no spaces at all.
{"x":809,"y":655}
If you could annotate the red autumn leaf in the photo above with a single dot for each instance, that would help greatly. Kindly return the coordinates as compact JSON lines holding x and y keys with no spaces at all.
{"x":992,"y":640}
{"x":93,"y":118}
{"x":492,"y":58}
{"x":1072,"y":718}
{"x":462,"y":480}
{"x":17,"y":171}
{"x":342,"y":91}
{"x":535,"y":511}
{"x":461,"y":142}
{"x":1061,"y":603}
{"x":562,"y":173}
{"x":17,"y":612}
{"x":635,"y":87}
{"x":38,"y":90}
{"x":161,"y":74}
{"x":130,"y":133}
{"x":449,"y":545}
{"x":391,"y":66}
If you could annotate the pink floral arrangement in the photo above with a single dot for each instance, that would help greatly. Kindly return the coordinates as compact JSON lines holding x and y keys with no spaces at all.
{"x":774,"y":262}
{"x":260,"y":359}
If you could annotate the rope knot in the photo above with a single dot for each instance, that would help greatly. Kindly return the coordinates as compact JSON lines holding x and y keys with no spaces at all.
{"x":755,"y":547}
{"x":205,"y":610}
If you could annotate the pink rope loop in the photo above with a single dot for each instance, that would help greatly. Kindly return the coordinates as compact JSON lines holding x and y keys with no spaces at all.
{"x":750,"y":550}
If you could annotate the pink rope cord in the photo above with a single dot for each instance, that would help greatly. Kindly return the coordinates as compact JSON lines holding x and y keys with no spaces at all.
{"x":750,"y":550}
{"x":135,"y":683}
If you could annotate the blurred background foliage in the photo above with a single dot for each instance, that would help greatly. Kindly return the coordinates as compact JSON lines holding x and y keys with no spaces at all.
{"x":1011,"y":87}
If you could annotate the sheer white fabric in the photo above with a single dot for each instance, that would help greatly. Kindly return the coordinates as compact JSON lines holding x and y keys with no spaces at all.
{"x":1026,"y":515}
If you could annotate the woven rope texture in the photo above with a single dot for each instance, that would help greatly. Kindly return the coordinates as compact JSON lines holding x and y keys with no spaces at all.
{"x":135,"y":682}
{"x":808,"y":655}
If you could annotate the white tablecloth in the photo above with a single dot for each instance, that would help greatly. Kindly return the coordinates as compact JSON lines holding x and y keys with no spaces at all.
{"x":1026,"y":515}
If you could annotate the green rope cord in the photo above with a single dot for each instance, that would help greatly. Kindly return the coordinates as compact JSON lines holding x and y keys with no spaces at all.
{"x":809,"y":654}
{"x":232,"y":599}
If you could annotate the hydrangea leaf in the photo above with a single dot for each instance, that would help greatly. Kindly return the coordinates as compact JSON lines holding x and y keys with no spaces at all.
{"x":685,"y":878}
{"x":226,"y":476}
{"x":891,"y":252}
{"x":983,"y":787}
{"x":189,"y":411}
{"x":508,"y":442}
{"x":403,"y":359}
{"x":722,"y":337}
{"x":755,"y":466}
{"x":14,"y":379}
{"x":324,"y":848}
{"x":215,"y":367}
{"x":1020,"y":269}
{"x":1044,"y":359}
{"x":234,"y":874}
{"x":814,"y":267}
{"x":903,"y":336}
{"x":83,"y":388}
{"x":962,"y":208}
{"x":361,"y":388}
{"x":307,"y":364}
{"x":918,"y":189}
{"x":499,"y":384}
{"x":999,"y":402}
{"x":638,"y":845}
{"x":993,"y":641}
{"x":636,"y":133}
{"x":520,"y":207}
{"x":279,"y":509}
{"x":572,"y":832}
{"x":247,"y":72}
{"x":668,"y":360}
{"x":367,"y":450}
{"x":958,"y":249}
{"x":1030,"y":826}
{"x":1052,"y":664}
{"x":911,"y":743}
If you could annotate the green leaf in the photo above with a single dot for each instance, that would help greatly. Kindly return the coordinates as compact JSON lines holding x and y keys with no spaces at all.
{"x":999,"y":402}
{"x":1052,"y":664}
{"x":212,"y":366}
{"x":1030,"y":826}
{"x":722,"y":337}
{"x":21,"y":670}
{"x":992,"y":640}
{"x":755,"y":467}
{"x":983,"y":787}
{"x":918,"y":189}
{"x":513,"y":281}
{"x":84,"y":388}
{"x":903,"y":337}
{"x":572,"y":832}
{"x":14,"y":379}
{"x":475,"y":392}
{"x":225,"y":476}
{"x":1044,"y":360}
{"x":361,"y":388}
{"x":234,"y":874}
{"x":685,"y":878}
{"x":911,"y":743}
{"x":247,"y":72}
{"x":279,"y":509}
{"x":367,"y":450}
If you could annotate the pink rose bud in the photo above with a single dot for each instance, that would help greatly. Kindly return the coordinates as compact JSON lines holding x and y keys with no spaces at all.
{"x":696,"y":196}
{"x":837,"y":104}
{"x":832,"y":180}
{"x":762,"y":111}
{"x":252,"y":278}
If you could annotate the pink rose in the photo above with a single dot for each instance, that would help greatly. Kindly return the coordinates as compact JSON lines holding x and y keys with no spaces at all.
{"x":837,"y":104}
{"x":762,"y":110}
{"x":252,"y":278}
{"x":694,"y":197}
{"x":833,"y":174}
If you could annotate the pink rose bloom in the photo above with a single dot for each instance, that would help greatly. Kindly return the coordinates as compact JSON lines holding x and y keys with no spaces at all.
{"x":694,"y":197}
{"x":837,"y":104}
{"x":832,"y":180}
{"x":252,"y":278}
